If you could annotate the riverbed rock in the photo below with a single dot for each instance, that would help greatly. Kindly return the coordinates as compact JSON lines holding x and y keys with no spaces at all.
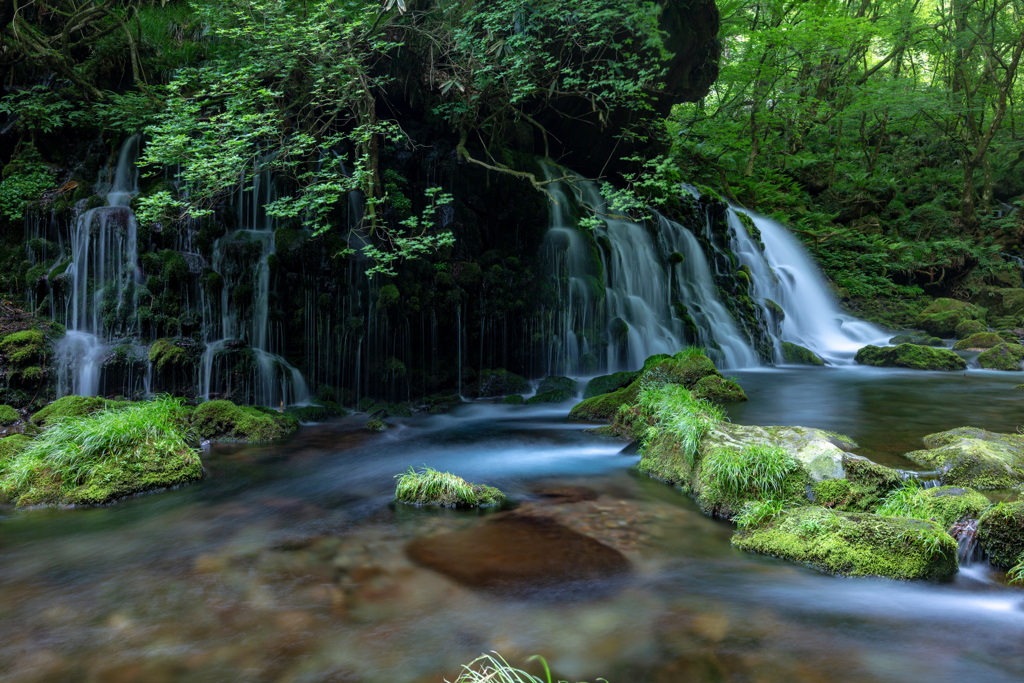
{"x":917,"y":339}
{"x":856,"y":544}
{"x":1001,"y":534}
{"x":8,"y":416}
{"x":969,"y":327}
{"x":794,"y":354}
{"x":225,"y":421}
{"x":376,"y":425}
{"x":910,"y":356}
{"x":979,"y":342}
{"x":1002,"y":357}
{"x":969,"y":456}
{"x":943,"y":315}
{"x":605,"y":384}
{"x":516,"y":552}
{"x":863,"y":488}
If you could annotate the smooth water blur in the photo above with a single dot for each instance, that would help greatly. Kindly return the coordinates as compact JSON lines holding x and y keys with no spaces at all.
{"x":287,"y":562}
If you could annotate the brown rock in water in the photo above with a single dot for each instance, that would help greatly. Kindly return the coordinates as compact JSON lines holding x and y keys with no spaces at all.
{"x":517,"y":551}
{"x":566,"y":494}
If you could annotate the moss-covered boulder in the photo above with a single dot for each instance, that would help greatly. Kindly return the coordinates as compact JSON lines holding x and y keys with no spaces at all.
{"x":376,"y":425}
{"x":979,"y":341}
{"x":72,"y":406}
{"x":564,"y":384}
{"x":863,"y":488}
{"x":718,"y":388}
{"x":968,"y":456}
{"x":970,"y":327}
{"x":8,"y":416}
{"x":686,"y":368}
{"x":557,"y":396}
{"x":513,"y":400}
{"x":225,"y":421}
{"x":384,"y":410}
{"x":794,"y":354}
{"x":325,"y":410}
{"x":951,"y":504}
{"x":499,"y":382}
{"x":1002,"y":357}
{"x":856,"y":544}
{"x":943,"y":315}
{"x":1001,"y":534}
{"x":11,"y":445}
{"x":605,"y":406}
{"x":606,"y":384}
{"x":910,"y":356}
{"x":918,"y":339}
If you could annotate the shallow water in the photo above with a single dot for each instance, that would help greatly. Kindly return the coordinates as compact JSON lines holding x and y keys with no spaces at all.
{"x":288,"y":562}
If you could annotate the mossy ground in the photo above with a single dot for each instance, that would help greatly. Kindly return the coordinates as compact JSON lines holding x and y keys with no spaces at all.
{"x":225,"y":421}
{"x":856,"y":544}
{"x":910,"y":356}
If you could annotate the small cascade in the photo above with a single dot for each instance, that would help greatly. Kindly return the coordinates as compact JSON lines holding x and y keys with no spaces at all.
{"x":104,"y":275}
{"x":236,"y":322}
{"x":966,"y":535}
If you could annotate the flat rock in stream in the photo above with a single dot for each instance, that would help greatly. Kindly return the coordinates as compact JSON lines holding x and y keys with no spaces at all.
{"x":513,"y":551}
{"x":969,"y":456}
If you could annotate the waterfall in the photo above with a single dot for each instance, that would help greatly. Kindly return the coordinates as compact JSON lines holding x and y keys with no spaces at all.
{"x":731,"y":281}
{"x":104,"y":275}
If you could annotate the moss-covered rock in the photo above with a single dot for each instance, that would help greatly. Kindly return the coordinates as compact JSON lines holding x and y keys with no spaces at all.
{"x":71,"y":406}
{"x":443,"y":403}
{"x":605,"y":384}
{"x":8,"y":415}
{"x":942,"y":316}
{"x":557,"y":396}
{"x":968,"y":456}
{"x":910,"y":356}
{"x":1001,"y":534}
{"x":605,"y":406}
{"x":500,"y":382}
{"x":683,"y":368}
{"x":225,"y":421}
{"x":165,"y":353}
{"x":970,"y":327}
{"x":563,"y":384}
{"x":12,"y":445}
{"x":385,"y":410}
{"x":1002,"y":357}
{"x":952,"y":504}
{"x":794,"y":354}
{"x":979,"y":341}
{"x":856,"y":544}
{"x":376,"y":425}
{"x":443,"y":489}
{"x":718,"y":388}
{"x":318,"y":413}
{"x":513,"y":400}
{"x":918,"y":339}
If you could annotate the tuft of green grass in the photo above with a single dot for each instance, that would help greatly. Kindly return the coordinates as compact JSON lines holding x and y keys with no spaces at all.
{"x":672,"y":408}
{"x":1016,"y":574}
{"x":431,"y":487}
{"x":907,"y":501}
{"x":493,"y":668}
{"x":758,"y":469}
{"x":758,"y":512}
{"x":71,"y":449}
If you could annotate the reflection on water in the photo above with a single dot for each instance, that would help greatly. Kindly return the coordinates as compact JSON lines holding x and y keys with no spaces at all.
{"x":289,"y":562}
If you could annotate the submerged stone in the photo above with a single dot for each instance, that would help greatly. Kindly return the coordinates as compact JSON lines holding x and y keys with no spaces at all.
{"x":794,"y":354}
{"x":943,"y":315}
{"x":1002,"y":357}
{"x":980,"y":340}
{"x":856,"y":544}
{"x":910,"y":356}
{"x":514,"y":551}
{"x":1001,"y":534}
{"x":974,"y":457}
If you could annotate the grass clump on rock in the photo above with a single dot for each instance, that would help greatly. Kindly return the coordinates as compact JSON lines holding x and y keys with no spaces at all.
{"x":225,"y":421}
{"x":945,"y":505}
{"x":444,"y":489}
{"x":109,"y":454}
{"x":910,"y":356}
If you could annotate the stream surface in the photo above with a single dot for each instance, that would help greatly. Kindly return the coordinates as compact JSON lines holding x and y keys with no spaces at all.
{"x":288,"y":562}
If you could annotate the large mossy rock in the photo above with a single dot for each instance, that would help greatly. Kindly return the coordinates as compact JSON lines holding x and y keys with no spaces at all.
{"x":564,"y":384}
{"x":969,"y":327}
{"x":500,"y":382}
{"x":605,"y":406}
{"x":952,"y":504}
{"x":979,"y":341}
{"x":917,"y":339}
{"x":555,"y":396}
{"x":856,"y":544}
{"x":943,"y":315}
{"x":718,"y":388}
{"x":794,"y":354}
{"x":72,"y":406}
{"x":606,"y":384}
{"x":1002,"y":357}
{"x":1001,"y":534}
{"x":910,"y":356}
{"x":968,"y":456}
{"x":225,"y":421}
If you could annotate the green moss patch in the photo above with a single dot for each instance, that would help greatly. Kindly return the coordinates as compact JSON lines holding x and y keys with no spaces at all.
{"x":11,"y":445}
{"x":974,"y":457}
{"x":8,"y":415}
{"x":1001,"y":534}
{"x":563,"y":384}
{"x":318,"y":413}
{"x":225,"y":421}
{"x":981,"y":340}
{"x":443,"y":489}
{"x":500,"y":382}
{"x":72,"y":406}
{"x":104,"y":455}
{"x":606,"y":384}
{"x":717,"y":388}
{"x":969,"y":327}
{"x":918,"y":339}
{"x":941,"y":317}
{"x":910,"y":356}
{"x":856,"y":544}
{"x":605,"y":406}
{"x":557,"y":396}
{"x":1002,"y":357}
{"x":794,"y":354}
{"x":513,"y":400}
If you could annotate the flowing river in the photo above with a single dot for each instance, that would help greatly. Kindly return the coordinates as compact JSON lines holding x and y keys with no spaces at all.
{"x":288,"y":562}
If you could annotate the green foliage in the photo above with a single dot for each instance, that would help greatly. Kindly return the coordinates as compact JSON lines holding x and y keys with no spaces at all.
{"x":672,"y":409}
{"x":494,"y":669}
{"x":758,"y":512}
{"x":42,"y":109}
{"x":430,"y":487}
{"x":754,"y":470}
{"x":907,"y":501}
{"x":8,"y":415}
{"x":1016,"y":573}
{"x":22,"y":186}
